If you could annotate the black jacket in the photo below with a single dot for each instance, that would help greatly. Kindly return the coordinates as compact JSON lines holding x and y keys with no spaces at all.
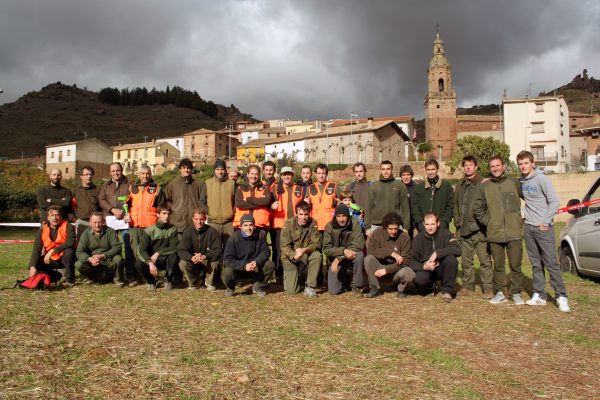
{"x":206,"y":241}
{"x":241,"y":250}
{"x":442,"y":242}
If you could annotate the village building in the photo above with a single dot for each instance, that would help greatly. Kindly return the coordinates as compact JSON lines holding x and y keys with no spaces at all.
{"x":158,"y":156}
{"x":205,"y":146}
{"x":70,"y":157}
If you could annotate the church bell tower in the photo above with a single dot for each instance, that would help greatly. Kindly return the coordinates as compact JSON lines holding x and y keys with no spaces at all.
{"x":440,"y":103}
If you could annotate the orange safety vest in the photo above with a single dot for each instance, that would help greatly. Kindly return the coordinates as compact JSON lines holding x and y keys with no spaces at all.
{"x":322,"y":203}
{"x":142,"y":209}
{"x":261,"y":214}
{"x":281,"y":214}
{"x":61,"y":238}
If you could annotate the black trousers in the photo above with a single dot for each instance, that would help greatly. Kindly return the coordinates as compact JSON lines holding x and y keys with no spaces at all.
{"x":166,"y":263}
{"x":445,"y":272}
{"x":67,"y":261}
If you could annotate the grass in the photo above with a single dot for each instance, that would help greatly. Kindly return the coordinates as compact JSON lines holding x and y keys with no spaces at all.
{"x":100,"y":342}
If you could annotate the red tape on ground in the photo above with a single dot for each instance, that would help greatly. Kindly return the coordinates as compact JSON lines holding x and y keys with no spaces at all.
{"x":15,"y":241}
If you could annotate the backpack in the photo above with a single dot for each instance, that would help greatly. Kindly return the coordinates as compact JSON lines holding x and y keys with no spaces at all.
{"x":41,"y":280}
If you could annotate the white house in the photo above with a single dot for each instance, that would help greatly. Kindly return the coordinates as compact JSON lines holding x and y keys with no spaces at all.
{"x":70,"y":157}
{"x":176,"y":142}
{"x":540,"y":125}
{"x":247,"y":136}
{"x":286,"y":145}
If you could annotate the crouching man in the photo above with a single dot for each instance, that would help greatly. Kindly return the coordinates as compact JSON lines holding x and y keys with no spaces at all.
{"x":199,"y":252}
{"x":434,"y":258}
{"x":99,"y":253}
{"x":158,"y":250}
{"x":247,"y":254}
{"x":300,"y":256}
{"x":53,"y":248}
{"x":343,"y":242}
{"x":389,"y":253}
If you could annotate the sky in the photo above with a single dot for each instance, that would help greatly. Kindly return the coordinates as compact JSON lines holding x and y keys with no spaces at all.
{"x":304,"y":59}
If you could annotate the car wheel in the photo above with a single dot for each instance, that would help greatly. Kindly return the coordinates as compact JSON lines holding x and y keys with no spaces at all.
{"x":567,"y":261}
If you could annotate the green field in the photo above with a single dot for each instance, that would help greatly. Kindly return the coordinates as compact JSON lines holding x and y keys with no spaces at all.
{"x":100,"y":342}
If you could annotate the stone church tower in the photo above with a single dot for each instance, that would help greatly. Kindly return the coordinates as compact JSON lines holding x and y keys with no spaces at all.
{"x":440,"y":103}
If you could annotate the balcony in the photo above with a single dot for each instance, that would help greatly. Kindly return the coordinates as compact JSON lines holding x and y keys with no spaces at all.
{"x":546,"y":158}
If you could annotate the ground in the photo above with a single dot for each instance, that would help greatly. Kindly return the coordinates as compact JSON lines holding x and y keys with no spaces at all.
{"x":97,"y":342}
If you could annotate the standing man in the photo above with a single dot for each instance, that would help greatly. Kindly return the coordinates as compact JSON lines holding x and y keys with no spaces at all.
{"x":343,"y":244}
{"x":434,"y":258}
{"x":359,"y":187}
{"x":406,"y":175}
{"x":184,"y":194}
{"x":99,"y":253}
{"x":219,"y":199}
{"x":305,"y":177}
{"x":321,"y":195}
{"x":269,"y":170}
{"x":253,"y":198}
{"x":85,"y":200}
{"x":144,"y":196}
{"x":287,"y":196}
{"x":386,"y":196}
{"x":389,"y":254}
{"x":247,"y":253}
{"x":498,"y":208}
{"x":54,"y":247}
{"x":471,"y":238}
{"x":112,"y":197}
{"x":541,"y":203}
{"x":54,"y":194}
{"x":158,"y":249}
{"x":199,"y":252}
{"x":433,"y":195}
{"x":300,"y":255}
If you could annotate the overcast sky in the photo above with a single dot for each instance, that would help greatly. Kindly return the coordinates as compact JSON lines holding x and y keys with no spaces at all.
{"x":301,"y":59}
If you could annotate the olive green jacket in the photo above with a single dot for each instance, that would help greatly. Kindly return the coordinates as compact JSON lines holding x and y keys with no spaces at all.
{"x":464,"y":199}
{"x":336,"y":239}
{"x":294,"y":236}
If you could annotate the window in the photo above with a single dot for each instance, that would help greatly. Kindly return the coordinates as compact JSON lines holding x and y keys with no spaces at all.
{"x":135,"y":154}
{"x":52,"y":154}
{"x":538,"y":153}
{"x":129,"y":154}
{"x":118,"y":154}
{"x":67,"y":170}
{"x":537,"y":127}
{"x":563,"y":151}
{"x":441,"y":85}
{"x":539,"y":107}
{"x":166,"y":152}
{"x":68,"y":152}
{"x":145,"y":153}
{"x":60,"y":156}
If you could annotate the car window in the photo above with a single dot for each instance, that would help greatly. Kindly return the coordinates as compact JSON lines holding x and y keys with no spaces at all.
{"x":594,"y":194}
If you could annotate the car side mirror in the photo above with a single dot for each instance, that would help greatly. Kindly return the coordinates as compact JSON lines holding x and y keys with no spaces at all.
{"x":574,"y":211}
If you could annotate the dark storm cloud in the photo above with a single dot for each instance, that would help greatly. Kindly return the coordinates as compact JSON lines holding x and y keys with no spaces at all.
{"x":298,"y":59}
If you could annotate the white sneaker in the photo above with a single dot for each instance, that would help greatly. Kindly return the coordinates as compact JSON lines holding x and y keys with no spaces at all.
{"x":518,"y":299}
{"x":536,"y":300}
{"x":498,"y":298}
{"x":563,"y":304}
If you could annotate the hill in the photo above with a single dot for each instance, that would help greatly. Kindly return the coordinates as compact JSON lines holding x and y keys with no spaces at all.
{"x":582,"y":95}
{"x":60,"y":113}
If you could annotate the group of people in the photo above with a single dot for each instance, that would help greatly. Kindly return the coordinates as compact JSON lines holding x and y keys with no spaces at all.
{"x":363,"y":237}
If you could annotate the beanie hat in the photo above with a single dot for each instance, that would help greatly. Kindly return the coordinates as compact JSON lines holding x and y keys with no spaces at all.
{"x":220,"y":164}
{"x":246,"y":218}
{"x":342,"y":209}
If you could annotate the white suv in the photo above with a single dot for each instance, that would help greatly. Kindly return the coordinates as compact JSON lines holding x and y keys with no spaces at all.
{"x":580,"y":240}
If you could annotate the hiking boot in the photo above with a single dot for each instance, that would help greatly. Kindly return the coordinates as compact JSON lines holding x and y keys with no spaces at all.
{"x":87,"y":281}
{"x":229,"y":292}
{"x":487,"y":294}
{"x":447,"y":297}
{"x":168,"y":286}
{"x":498,"y":298}
{"x":151,"y":288}
{"x":357,"y":291}
{"x":563,"y":304}
{"x":374,"y":292}
{"x":210,"y":287}
{"x":536,"y":300}
{"x":259,"y":291}
{"x":402,"y":295}
{"x":193,"y":288}
{"x":133,"y":283}
{"x":516,"y":297}
{"x":119,"y":284}
{"x":310,"y":293}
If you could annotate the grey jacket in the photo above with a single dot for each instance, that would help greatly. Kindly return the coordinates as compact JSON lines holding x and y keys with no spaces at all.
{"x":541,"y":200}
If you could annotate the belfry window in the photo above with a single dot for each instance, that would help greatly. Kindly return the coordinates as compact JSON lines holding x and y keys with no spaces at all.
{"x":441,"y":85}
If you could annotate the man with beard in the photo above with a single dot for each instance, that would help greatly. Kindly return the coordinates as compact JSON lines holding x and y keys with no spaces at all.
{"x":343,"y":243}
{"x":433,"y":195}
{"x":386,"y":196}
{"x":54,"y":194}
{"x":471,"y":238}
{"x":498,"y":208}
{"x":199,"y":251}
{"x":300,"y":255}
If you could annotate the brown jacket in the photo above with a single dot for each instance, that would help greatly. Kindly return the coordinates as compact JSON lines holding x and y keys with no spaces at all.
{"x":110,"y":191}
{"x":184,"y":195}
{"x":381,"y":246}
{"x":86,"y":201}
{"x":219,"y":200}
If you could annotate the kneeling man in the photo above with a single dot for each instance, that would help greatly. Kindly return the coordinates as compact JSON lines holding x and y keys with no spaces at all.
{"x":434,"y":258}
{"x":158,"y":250}
{"x":389,"y":255}
{"x":199,"y":252}
{"x":343,"y":243}
{"x":54,"y":248}
{"x":246,"y":253}
{"x":300,"y":256}
{"x":99,"y":253}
